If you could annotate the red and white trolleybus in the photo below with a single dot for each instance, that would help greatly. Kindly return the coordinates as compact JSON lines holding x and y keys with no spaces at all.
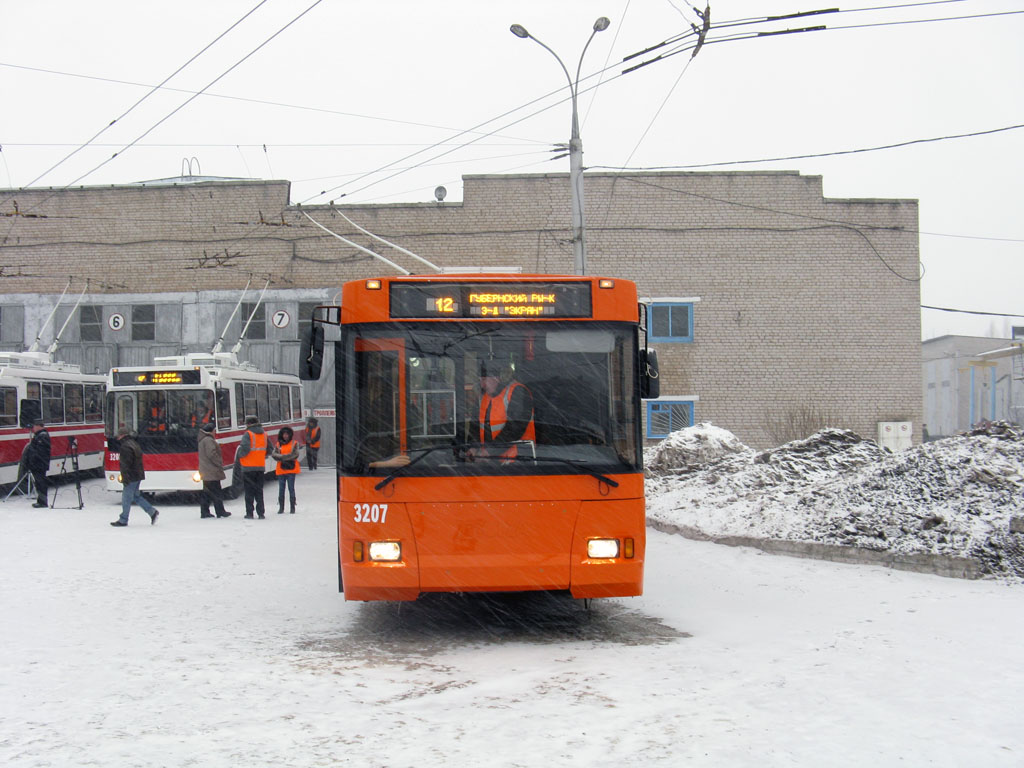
{"x":167,"y":404}
{"x":70,"y":402}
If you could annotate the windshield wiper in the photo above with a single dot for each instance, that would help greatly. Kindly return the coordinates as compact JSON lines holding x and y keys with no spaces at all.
{"x":569,"y":462}
{"x":455,"y":447}
{"x":458,"y":447}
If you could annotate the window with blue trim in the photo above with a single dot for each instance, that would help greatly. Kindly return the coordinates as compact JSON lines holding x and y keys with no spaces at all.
{"x":670,"y":322}
{"x":666,"y":416}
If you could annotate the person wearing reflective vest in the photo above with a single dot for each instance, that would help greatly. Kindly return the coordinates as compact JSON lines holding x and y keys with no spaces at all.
{"x":286,"y":454}
{"x":312,"y":443}
{"x":252,"y":457}
{"x":506,"y":411}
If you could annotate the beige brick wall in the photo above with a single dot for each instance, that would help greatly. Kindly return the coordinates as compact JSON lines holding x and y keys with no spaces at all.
{"x":805,"y":302}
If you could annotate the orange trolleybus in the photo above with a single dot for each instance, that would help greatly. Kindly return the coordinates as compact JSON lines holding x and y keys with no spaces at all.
{"x":430,"y":497}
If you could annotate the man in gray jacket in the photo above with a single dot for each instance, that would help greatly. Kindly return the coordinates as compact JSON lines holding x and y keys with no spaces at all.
{"x":211,"y":470}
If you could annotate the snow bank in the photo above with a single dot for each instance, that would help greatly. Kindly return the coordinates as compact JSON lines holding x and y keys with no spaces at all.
{"x":958,"y":496}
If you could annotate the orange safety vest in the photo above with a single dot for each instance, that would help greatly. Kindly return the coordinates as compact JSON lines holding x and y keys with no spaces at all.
{"x":286,"y":448}
{"x":313,"y":438}
{"x":156,"y":423}
{"x":499,"y":416}
{"x":257,"y":455}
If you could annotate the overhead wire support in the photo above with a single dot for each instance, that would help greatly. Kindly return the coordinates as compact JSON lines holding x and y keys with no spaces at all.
{"x":702,"y":33}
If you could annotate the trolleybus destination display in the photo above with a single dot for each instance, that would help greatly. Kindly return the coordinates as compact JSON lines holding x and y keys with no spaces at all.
{"x":142,"y":378}
{"x":484,"y":300}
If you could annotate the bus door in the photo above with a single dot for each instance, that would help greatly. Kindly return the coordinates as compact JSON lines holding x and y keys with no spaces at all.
{"x":381,"y":392}
{"x":124,"y":410}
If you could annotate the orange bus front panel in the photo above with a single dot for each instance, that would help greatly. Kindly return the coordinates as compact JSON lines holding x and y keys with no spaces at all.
{"x":622,"y":576}
{"x":509,"y":546}
{"x":475,"y":544}
{"x":362,"y":525}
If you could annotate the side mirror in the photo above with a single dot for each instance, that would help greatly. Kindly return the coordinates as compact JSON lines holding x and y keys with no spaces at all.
{"x":311,"y":353}
{"x":650,"y":384}
{"x":29,"y":412}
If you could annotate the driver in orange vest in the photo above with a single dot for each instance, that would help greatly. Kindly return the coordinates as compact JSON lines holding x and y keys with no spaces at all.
{"x":506,"y":410}
{"x":252,"y":456}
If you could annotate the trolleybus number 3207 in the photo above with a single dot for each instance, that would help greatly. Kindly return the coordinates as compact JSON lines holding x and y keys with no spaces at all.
{"x":371,"y":513}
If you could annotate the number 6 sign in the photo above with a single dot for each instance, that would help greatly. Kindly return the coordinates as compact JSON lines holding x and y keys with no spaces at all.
{"x":116,"y":321}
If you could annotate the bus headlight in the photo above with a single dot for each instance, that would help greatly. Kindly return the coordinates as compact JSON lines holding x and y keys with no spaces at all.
{"x":385,"y":551}
{"x":602,"y":549}
{"x":197,"y":478}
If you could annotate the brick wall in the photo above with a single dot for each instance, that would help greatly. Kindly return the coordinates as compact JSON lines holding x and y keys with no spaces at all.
{"x":806,"y":304}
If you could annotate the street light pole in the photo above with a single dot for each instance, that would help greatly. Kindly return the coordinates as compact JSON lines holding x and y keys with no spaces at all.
{"x":579,"y":251}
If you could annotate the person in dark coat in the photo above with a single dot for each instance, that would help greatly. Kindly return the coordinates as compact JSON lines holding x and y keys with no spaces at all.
{"x":37,"y":460}
{"x":211,"y":470}
{"x":313,"y":435}
{"x":132,"y":475}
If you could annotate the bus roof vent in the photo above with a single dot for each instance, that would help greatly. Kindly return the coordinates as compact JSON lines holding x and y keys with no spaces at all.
{"x":37,"y":361}
{"x":169,"y":362}
{"x":481,"y":270}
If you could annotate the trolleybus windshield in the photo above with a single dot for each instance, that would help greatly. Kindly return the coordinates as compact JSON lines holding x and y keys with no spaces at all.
{"x":415,"y":390}
{"x":166,"y":420}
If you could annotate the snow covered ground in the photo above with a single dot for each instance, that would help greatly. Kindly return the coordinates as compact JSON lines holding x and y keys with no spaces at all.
{"x":225,"y":643}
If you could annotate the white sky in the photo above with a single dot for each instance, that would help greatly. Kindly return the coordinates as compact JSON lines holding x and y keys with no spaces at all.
{"x":378,"y":82}
{"x":225,"y":643}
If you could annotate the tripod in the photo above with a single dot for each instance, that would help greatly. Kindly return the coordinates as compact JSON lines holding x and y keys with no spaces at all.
{"x":25,"y":485}
{"x":73,"y":454}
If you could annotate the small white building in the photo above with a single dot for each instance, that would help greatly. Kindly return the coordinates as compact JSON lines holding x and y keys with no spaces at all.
{"x":969,"y":379}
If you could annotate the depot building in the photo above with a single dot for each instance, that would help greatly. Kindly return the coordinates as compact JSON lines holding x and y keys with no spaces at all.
{"x":774,"y":310}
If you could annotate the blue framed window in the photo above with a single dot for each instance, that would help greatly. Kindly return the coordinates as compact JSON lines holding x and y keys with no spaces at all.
{"x":669,"y":321}
{"x":667,"y":416}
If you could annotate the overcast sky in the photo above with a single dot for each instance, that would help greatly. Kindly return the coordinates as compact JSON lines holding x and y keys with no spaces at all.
{"x":384,"y":101}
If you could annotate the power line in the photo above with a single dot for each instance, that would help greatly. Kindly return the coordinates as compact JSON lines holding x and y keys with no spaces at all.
{"x":198,"y":93}
{"x":184,"y":103}
{"x":229,"y":97}
{"x":810,"y":156}
{"x":969,"y":311}
{"x":152,"y":90}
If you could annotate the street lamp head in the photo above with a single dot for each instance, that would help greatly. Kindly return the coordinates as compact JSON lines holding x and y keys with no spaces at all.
{"x":600,"y":25}
{"x":519,"y":31}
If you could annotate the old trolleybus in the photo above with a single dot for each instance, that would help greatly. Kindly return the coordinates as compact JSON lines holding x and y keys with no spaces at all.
{"x":427,"y":502}
{"x":69,"y":402}
{"x":167,"y":404}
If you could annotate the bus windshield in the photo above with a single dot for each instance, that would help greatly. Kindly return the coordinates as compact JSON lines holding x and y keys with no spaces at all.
{"x":475,"y":398}
{"x":155,"y":414}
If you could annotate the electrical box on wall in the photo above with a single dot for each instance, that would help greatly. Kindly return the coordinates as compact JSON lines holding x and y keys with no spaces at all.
{"x":896,"y":435}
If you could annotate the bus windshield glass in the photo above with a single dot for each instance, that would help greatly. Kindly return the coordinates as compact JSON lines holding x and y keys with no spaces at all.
{"x":474,"y":398}
{"x":161,"y":416}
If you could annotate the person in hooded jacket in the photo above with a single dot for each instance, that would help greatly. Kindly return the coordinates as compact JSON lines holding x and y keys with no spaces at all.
{"x":286,"y":454}
{"x":211,"y":470}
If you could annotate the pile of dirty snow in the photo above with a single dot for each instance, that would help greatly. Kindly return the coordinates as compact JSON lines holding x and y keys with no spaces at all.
{"x":958,"y":496}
